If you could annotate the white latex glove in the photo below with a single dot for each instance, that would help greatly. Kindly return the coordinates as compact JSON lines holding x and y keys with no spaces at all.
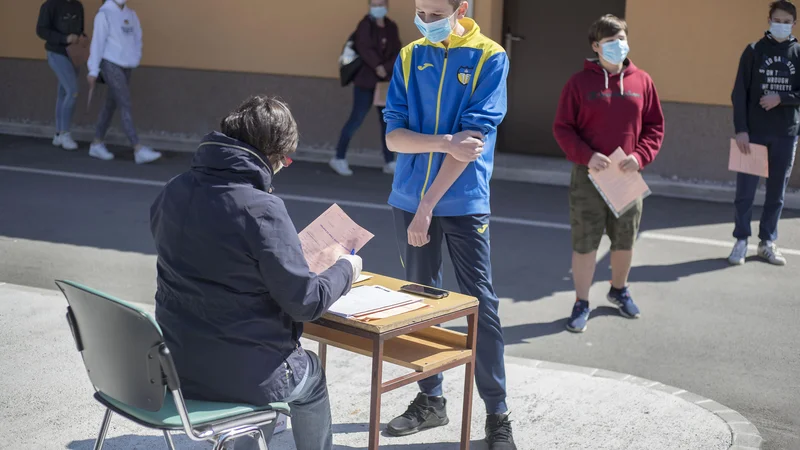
{"x":355,"y":261}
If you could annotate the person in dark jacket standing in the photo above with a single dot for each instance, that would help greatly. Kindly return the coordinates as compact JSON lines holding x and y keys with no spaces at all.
{"x":61,"y":24}
{"x":377,"y":42}
{"x":766,"y":111}
{"x":233,"y":285}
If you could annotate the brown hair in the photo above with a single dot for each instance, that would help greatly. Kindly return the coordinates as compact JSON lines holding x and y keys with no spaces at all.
{"x":264,"y":123}
{"x":606,"y":26}
{"x":456,"y":3}
{"x":783,"y":5}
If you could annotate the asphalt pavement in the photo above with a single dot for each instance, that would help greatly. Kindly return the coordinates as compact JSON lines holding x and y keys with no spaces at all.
{"x":724,"y":333}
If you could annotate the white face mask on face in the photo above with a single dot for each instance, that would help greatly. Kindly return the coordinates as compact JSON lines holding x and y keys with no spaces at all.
{"x":780,"y":30}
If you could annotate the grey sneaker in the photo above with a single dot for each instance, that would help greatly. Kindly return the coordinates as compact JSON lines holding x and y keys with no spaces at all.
{"x":100,"y":151}
{"x":145,"y":155}
{"x":770,"y":253}
{"x":739,"y":253}
{"x":340,"y":166}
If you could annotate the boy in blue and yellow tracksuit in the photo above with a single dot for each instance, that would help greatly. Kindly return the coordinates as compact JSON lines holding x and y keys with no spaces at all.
{"x":445,"y":102}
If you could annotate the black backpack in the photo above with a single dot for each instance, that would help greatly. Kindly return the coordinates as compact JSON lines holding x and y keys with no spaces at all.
{"x":349,"y":61}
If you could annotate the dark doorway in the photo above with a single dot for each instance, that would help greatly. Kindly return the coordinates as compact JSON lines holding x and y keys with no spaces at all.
{"x":546,"y":43}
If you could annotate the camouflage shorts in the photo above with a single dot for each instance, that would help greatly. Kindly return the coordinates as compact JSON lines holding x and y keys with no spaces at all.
{"x":590,"y":217}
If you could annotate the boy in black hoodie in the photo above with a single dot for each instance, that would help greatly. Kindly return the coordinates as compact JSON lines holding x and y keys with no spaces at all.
{"x":766,"y":111}
{"x":61,"y":24}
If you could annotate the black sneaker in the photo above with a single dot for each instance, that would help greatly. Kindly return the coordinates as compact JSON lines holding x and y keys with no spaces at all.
{"x":423,"y":413}
{"x":498,"y":432}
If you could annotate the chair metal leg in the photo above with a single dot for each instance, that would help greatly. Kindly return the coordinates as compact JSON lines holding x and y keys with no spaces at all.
{"x":101,"y":438}
{"x":168,"y":438}
{"x":262,"y":440}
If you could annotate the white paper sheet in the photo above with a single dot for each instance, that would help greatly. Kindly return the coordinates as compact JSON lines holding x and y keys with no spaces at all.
{"x":365,"y":299}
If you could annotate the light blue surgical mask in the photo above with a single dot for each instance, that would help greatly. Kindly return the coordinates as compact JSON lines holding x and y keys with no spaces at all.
{"x":780,"y":30}
{"x":378,"y":12}
{"x":435,"y":31}
{"x":615,"y":51}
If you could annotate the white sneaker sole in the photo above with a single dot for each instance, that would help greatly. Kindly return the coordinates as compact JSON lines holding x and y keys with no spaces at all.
{"x":102,"y":156}
{"x":147,"y":160}
{"x":342,"y":173}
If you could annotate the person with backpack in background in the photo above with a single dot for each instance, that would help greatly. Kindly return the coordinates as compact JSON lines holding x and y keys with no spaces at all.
{"x":60,"y":25}
{"x":115,"y":51}
{"x":377,"y":43}
{"x":766,"y":111}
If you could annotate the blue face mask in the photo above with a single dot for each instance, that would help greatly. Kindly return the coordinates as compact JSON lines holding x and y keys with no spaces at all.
{"x":615,"y":51}
{"x":780,"y":30}
{"x":378,"y":12}
{"x":435,"y":31}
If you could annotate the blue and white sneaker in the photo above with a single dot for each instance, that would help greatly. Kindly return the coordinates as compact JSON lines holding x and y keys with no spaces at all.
{"x":580,"y":316}
{"x":621,"y":298}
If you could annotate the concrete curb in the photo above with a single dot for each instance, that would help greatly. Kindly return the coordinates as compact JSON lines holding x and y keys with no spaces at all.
{"x":744,"y":435}
{"x":519,"y":168}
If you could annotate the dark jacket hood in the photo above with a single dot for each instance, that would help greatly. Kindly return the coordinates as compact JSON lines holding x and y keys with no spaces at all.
{"x":221,"y":156}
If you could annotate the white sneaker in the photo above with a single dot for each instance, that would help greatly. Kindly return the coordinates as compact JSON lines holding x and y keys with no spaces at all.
{"x":57,"y":140}
{"x":739,"y":253}
{"x":769,"y":252}
{"x":341,"y":167}
{"x":66,"y":142}
{"x":100,"y":151}
{"x":145,"y":155}
{"x":390,"y":167}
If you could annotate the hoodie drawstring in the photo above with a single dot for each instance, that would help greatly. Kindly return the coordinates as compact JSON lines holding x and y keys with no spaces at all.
{"x":621,"y":81}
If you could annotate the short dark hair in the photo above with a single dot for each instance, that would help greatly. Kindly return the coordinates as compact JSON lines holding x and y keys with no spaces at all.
{"x":264,"y":123}
{"x":606,"y":26}
{"x":456,"y":3}
{"x":783,"y":5}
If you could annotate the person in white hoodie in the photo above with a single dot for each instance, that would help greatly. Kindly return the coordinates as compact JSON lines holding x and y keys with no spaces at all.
{"x":116,"y":50}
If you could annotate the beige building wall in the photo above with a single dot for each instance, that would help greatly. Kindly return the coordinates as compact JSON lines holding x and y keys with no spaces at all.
{"x":692,"y":47}
{"x":284,"y":38}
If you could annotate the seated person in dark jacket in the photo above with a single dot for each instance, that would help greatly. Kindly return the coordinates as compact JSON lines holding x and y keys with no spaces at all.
{"x":233,"y":285}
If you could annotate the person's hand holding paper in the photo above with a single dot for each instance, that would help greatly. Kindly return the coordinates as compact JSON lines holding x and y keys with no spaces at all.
{"x":331,"y":236}
{"x":620,"y":183}
{"x":754,"y":161}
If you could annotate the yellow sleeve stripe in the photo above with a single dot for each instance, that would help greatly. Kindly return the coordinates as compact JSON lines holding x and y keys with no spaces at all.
{"x":490,"y":48}
{"x":406,"y":55}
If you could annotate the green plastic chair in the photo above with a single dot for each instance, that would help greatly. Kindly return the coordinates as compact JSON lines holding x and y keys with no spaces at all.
{"x":134,"y":375}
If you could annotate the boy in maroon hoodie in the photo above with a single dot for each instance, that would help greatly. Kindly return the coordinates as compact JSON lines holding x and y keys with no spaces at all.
{"x":610,"y":104}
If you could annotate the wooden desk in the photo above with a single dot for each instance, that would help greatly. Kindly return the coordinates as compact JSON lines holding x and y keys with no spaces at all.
{"x":411,"y":340}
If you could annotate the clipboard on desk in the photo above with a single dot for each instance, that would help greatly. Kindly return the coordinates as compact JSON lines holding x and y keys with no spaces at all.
{"x":620,"y":190}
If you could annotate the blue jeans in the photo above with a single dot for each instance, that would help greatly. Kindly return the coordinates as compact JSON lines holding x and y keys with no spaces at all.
{"x":67,"y":96}
{"x":781,"y":150}
{"x":311,"y":412}
{"x":467,"y":239}
{"x":362,"y":103}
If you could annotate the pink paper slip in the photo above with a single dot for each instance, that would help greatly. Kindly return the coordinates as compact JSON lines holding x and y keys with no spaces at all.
{"x":619,"y":189}
{"x":330,"y":236}
{"x":756,"y":163}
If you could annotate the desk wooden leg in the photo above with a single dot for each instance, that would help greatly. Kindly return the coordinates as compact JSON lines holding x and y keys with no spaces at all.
{"x":323,"y":354}
{"x":375,"y":395}
{"x":469,"y":377}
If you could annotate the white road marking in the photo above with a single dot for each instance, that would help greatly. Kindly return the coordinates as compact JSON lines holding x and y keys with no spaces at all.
{"x":383,"y":207}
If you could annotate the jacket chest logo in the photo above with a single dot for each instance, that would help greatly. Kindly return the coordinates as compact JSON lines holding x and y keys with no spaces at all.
{"x":465,"y":74}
